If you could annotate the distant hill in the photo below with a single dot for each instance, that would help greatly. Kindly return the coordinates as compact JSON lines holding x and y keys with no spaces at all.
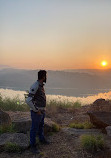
{"x":91,"y":71}
{"x":67,"y":82}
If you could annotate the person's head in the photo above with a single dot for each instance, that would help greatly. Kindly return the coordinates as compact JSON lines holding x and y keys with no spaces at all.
{"x":42,"y":75}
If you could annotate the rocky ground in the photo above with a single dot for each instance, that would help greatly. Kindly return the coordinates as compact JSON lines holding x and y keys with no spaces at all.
{"x":66,"y":142}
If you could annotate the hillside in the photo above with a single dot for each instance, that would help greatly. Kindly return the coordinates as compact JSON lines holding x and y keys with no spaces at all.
{"x":76,"y":83}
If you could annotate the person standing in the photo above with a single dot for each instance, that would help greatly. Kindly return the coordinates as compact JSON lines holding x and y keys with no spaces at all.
{"x":37,"y":103}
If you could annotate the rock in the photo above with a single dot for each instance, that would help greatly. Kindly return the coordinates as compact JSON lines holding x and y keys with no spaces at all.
{"x":48,"y":126}
{"x":4,"y":118}
{"x":24,"y":124}
{"x":19,"y":139}
{"x":77,"y":132}
{"x":101,"y":105}
{"x":108,"y":130}
{"x":100,"y":119}
{"x":100,"y":101}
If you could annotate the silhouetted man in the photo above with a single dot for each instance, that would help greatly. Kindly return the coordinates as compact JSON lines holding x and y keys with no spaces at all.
{"x":37,"y":102}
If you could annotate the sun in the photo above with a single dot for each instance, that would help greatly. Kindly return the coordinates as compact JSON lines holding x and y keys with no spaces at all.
{"x":104,"y":63}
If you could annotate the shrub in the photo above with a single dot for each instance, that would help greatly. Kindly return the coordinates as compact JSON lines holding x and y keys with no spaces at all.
{"x":77,"y":104}
{"x":92,"y":143}
{"x":12,"y":147}
{"x":85,"y":125}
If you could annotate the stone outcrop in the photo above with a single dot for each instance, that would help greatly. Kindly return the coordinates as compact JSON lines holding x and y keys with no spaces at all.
{"x":24,"y":124}
{"x":100,"y":113}
{"x":19,"y":139}
{"x":100,"y":119}
{"x":4,"y":118}
{"x":48,"y":125}
{"x":101,"y":105}
{"x":100,"y":101}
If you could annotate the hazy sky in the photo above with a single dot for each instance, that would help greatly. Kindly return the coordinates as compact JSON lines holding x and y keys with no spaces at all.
{"x":55,"y":34}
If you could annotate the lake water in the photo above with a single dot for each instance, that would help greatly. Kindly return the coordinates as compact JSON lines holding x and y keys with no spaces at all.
{"x":70,"y":92}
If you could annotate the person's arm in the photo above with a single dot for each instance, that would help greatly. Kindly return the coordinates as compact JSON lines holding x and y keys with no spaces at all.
{"x":31,"y":105}
{"x":33,"y":90}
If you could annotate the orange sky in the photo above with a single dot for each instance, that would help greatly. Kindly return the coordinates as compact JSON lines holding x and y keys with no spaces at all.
{"x":69,"y":35}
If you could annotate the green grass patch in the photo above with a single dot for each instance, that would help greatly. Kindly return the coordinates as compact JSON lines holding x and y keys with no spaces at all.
{"x":92,"y":143}
{"x":12,"y":147}
{"x":55,"y":127}
{"x":8,"y":128}
{"x":85,"y":125}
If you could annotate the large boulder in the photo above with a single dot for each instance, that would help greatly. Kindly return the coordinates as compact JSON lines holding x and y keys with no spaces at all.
{"x":24,"y":124}
{"x":49,"y":126}
{"x":100,"y":101}
{"x":19,"y":139}
{"x":5,"y":119}
{"x":101,"y":105}
{"x":100,"y":119}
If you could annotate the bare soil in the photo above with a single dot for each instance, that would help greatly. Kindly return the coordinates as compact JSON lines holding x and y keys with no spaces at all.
{"x":61,"y":145}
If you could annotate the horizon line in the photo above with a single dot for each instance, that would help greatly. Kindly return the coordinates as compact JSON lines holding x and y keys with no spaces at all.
{"x":54,"y":69}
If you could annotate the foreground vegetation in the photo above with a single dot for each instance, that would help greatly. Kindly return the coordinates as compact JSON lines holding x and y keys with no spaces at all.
{"x":12,"y":147}
{"x":85,"y":125}
{"x":15,"y":104}
{"x":7,"y":128}
{"x":92,"y":143}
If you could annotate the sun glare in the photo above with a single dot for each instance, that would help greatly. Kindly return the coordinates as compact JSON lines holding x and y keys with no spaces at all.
{"x":104,"y":63}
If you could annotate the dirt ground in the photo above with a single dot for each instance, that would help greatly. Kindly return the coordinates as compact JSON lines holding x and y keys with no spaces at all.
{"x":61,"y":145}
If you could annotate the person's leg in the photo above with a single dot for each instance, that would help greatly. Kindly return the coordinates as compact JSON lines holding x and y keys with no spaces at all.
{"x":36,"y":119}
{"x":41,"y":128}
{"x":41,"y":131}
